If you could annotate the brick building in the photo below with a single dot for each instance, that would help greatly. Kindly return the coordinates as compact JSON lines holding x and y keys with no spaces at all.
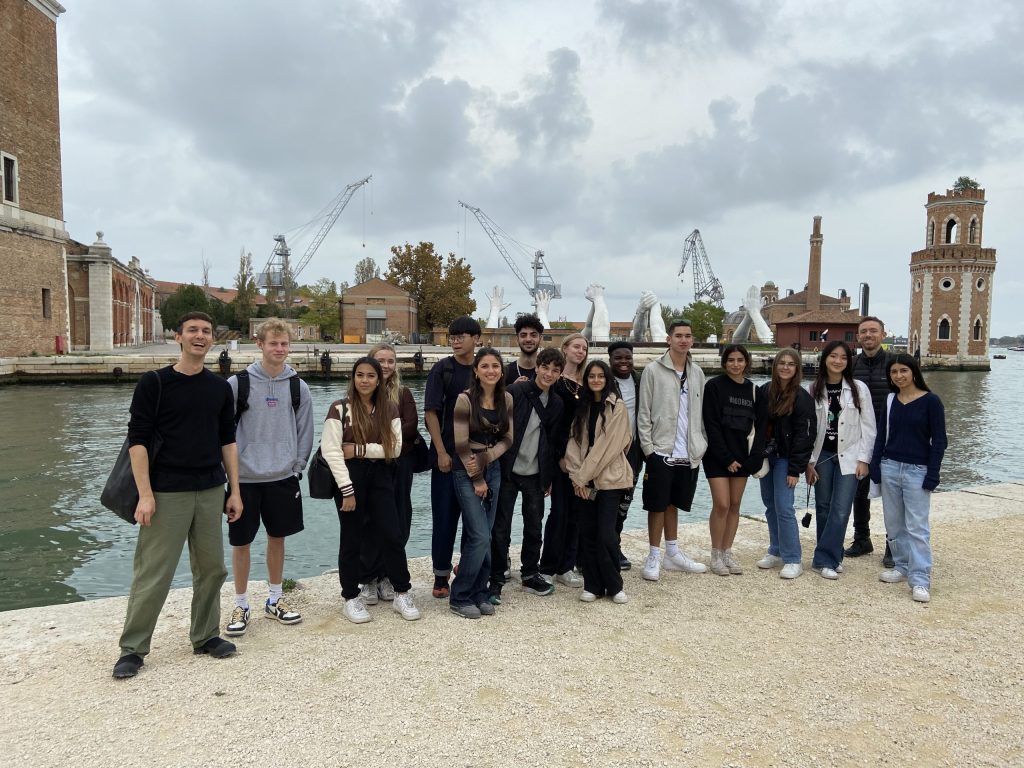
{"x":369,"y":308}
{"x":33,"y":292}
{"x":951,"y":280}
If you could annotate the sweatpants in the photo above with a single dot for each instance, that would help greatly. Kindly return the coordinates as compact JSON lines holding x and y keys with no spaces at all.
{"x":599,"y":543}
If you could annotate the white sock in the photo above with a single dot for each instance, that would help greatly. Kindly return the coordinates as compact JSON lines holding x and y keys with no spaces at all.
{"x":242,"y":600}
{"x":656,"y":551}
{"x":275,"y":593}
{"x":671,"y":547}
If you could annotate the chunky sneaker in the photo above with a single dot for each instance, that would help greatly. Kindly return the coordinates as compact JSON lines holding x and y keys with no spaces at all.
{"x":384,"y":590}
{"x":355,"y":611}
{"x":859,"y":547}
{"x":791,"y":571}
{"x":239,"y":622}
{"x":892,"y":576}
{"x":281,"y":612}
{"x":829,"y":573}
{"x":718,"y":566}
{"x":652,"y":567}
{"x":440,"y":588}
{"x":465,"y":611}
{"x":732,"y":563}
{"x":486,"y":609}
{"x":620,"y":597}
{"x":887,"y":561}
{"x":128,"y":666}
{"x":920,"y":594}
{"x":369,"y":592}
{"x":535,"y":585}
{"x":680,"y":561}
{"x":570,"y":579}
{"x":587,"y":597}
{"x":405,"y":607}
{"x":770,"y":561}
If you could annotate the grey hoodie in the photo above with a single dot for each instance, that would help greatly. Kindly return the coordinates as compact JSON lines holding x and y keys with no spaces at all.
{"x":274,"y":440}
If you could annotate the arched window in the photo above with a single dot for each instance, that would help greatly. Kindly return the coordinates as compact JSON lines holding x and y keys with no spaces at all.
{"x":977,"y":329}
{"x":972,"y":232}
{"x":931,"y":233}
{"x":951,"y":233}
{"x":944,"y":329}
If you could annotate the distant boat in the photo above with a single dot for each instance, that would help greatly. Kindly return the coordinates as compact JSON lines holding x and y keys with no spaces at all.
{"x":1016,"y":349}
{"x":998,"y":357}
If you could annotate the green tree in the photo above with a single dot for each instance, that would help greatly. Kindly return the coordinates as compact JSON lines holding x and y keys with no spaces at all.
{"x":366,"y":269}
{"x":243,"y":306}
{"x":965,"y":182}
{"x":706,"y":319}
{"x":441,"y":287}
{"x":668,"y":314}
{"x":323,"y":307}
{"x":188,"y":298}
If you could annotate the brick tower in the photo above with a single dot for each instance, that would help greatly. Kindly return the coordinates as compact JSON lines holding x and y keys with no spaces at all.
{"x":951,"y":280}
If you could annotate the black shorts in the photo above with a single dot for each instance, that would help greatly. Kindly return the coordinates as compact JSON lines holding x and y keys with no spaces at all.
{"x":278,"y":504}
{"x":668,"y":485}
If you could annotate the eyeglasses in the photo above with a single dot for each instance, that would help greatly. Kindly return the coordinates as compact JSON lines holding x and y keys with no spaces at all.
{"x":458,"y":338}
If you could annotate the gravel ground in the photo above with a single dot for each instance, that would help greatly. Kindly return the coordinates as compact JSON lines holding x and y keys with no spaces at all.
{"x":697,"y":669}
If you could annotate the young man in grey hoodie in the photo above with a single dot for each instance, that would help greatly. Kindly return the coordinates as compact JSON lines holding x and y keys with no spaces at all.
{"x":670,"y":425}
{"x":274,"y":443}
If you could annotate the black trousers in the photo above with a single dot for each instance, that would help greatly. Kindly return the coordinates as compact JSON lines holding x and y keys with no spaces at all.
{"x":371,"y":561}
{"x":562,"y":530}
{"x":862,"y":510}
{"x":533,"y":518}
{"x":375,"y":517}
{"x":599,"y":543}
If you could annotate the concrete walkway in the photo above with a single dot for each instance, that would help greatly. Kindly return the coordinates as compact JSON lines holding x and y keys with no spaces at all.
{"x":695,"y":670}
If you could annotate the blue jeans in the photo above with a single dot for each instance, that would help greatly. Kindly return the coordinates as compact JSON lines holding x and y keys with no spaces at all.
{"x":783,"y":534}
{"x":470,"y":584}
{"x":905,"y":505}
{"x":444,"y":512}
{"x":833,"y":502}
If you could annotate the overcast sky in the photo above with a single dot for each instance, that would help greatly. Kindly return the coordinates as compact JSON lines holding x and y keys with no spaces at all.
{"x":602,"y":132}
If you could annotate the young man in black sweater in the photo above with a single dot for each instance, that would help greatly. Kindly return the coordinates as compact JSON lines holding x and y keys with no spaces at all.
{"x":181,"y":494}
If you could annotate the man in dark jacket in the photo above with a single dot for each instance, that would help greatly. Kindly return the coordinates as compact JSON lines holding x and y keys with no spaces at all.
{"x":620,"y":358}
{"x":527,"y":468}
{"x":869,"y":366}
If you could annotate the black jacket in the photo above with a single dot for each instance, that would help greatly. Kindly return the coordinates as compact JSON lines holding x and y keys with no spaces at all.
{"x":871,"y":370}
{"x":525,"y":400}
{"x":793,"y":434}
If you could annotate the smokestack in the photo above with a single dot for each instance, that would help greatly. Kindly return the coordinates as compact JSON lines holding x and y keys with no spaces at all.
{"x":865,"y":296}
{"x":814,"y":268}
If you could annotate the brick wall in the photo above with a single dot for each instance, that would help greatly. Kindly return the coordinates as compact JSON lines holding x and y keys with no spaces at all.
{"x":29,"y":265}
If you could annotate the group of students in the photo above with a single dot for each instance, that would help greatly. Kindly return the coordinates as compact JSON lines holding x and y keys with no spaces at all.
{"x":548,"y":424}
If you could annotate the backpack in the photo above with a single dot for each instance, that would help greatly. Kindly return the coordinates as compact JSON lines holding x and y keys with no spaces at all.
{"x":242,"y":400}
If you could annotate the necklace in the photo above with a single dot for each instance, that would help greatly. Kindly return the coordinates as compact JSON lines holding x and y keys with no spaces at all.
{"x":575,"y":390}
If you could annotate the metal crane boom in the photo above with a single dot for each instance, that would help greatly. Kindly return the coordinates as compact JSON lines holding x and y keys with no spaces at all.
{"x":492,"y":233}
{"x":705,"y":285}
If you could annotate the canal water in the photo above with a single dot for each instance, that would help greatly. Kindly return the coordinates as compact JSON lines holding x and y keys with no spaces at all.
{"x":57,"y":544}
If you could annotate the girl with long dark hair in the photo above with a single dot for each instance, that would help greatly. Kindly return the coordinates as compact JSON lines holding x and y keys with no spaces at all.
{"x":483,"y":432}
{"x":908,"y":454}
{"x":729,"y":415}
{"x":596,"y":462}
{"x":789,"y":428}
{"x":842,"y":451}
{"x":361,"y":440}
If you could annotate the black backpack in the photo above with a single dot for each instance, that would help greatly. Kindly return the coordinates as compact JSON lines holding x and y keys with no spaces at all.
{"x":242,"y":400}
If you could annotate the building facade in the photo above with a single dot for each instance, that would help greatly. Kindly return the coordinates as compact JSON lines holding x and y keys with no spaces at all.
{"x":368,"y":309}
{"x":33,"y":293}
{"x":951,"y":280}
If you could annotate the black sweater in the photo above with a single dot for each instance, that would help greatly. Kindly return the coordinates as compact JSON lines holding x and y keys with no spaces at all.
{"x":793,"y":434}
{"x":196,"y":418}
{"x":728,"y":416}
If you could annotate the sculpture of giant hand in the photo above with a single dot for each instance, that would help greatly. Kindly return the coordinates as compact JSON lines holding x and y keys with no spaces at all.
{"x":752,"y":304}
{"x":647,"y":321}
{"x":496,"y":298}
{"x":598,"y":325}
{"x":655,"y":321}
{"x":542,"y":299}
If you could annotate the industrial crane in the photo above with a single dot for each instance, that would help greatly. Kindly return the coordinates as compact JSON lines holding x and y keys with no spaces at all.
{"x":279,"y":262}
{"x":706,"y":286}
{"x":542,"y":280}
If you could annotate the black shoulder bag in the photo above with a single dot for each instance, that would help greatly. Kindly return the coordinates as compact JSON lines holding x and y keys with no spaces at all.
{"x":321,"y":480}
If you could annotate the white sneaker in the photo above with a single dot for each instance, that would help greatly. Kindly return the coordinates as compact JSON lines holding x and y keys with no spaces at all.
{"x":368,"y":592}
{"x":681,"y":562}
{"x":404,"y":606}
{"x":570,"y":579}
{"x":732,"y":563}
{"x":384,"y":589}
{"x":791,"y":571}
{"x":355,"y":611}
{"x":652,"y":567}
{"x":587,"y":597}
{"x":770,"y":561}
{"x":839,"y":568}
{"x":892,"y":576}
{"x":718,"y":566}
{"x":829,"y":573}
{"x":620,"y":597}
{"x":920,"y":594}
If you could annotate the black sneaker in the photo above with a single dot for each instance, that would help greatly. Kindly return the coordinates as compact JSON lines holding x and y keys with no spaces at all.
{"x":535,"y":585}
{"x":494,"y":595}
{"x":887,"y":561}
{"x":128,"y":666}
{"x":624,"y":564}
{"x":217,"y":647}
{"x":859,"y":547}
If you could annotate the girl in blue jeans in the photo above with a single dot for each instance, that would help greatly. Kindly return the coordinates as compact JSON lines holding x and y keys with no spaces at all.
{"x":908,"y":454}
{"x":842,"y":452}
{"x":787,"y":413}
{"x":483,"y":432}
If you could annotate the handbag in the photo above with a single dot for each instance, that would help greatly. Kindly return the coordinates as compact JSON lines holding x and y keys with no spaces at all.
{"x":420,"y":454}
{"x":120,"y":494}
{"x":765,"y":467}
{"x":322,"y":484}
